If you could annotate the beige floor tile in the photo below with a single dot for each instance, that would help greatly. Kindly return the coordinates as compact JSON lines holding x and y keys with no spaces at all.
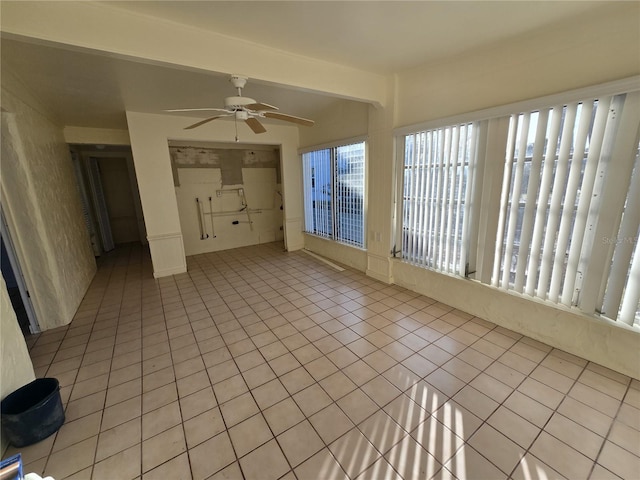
{"x":382,"y":431}
{"x":176,"y":469}
{"x":196,"y":403}
{"x":410,"y":460}
{"x":269,"y":394}
{"x":401,"y":377}
{"x":265,"y":463}
{"x":467,"y":464}
{"x":203,"y":427}
{"x":259,"y":375}
{"x":192,"y":383}
{"x":157,"y":379}
{"x":312,"y":399}
{"x":359,"y":372}
{"x":119,"y":438}
{"x":331,"y":423}
{"x":574,"y":435}
{"x":85,"y":406}
{"x":531,"y":467}
{"x":321,"y":368}
{"x":595,"y":399}
{"x":601,"y":473}
{"x":476,"y":402}
{"x":163,"y":447}
{"x":204,"y":463}
{"x":514,"y":427}
{"x":461,"y":369}
{"x":283,"y":415}
{"x":427,"y":396}
{"x":124,"y":391}
{"x":342,"y":357}
{"x":78,"y":430}
{"x":620,"y":461}
{"x":624,"y":436}
{"x":222,"y":371}
{"x":406,"y":413}
{"x":124,"y":465}
{"x":72,"y":459}
{"x":230,"y":388}
{"x":32,"y":453}
{"x":299,"y":443}
{"x":445,"y":382}
{"x":284,"y":364}
{"x":238,"y":409}
{"x":497,"y":448}
{"x":584,"y":415}
{"x":357,"y":405}
{"x":561,"y":457}
{"x":125,"y":374}
{"x":159,"y":397}
{"x":354,"y":453}
{"x":337,"y":385}
{"x":231,"y":472}
{"x":296,"y":380}
{"x":437,"y":439}
{"x":321,"y":466}
{"x":380,"y":391}
{"x":161,"y":419}
{"x":249,"y":434}
{"x":121,"y":413}
{"x":88,"y":387}
{"x":492,"y":388}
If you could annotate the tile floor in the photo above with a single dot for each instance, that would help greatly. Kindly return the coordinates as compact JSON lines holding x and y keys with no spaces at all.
{"x":260,"y":364}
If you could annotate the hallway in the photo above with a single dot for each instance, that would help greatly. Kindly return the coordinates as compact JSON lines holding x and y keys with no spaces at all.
{"x":261,"y":364}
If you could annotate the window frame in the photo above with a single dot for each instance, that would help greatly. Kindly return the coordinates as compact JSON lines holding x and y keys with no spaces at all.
{"x":333,"y":147}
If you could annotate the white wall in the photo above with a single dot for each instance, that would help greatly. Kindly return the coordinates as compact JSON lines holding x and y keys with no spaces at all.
{"x":42,"y":207}
{"x":16,"y":368}
{"x":342,"y":120}
{"x":596,"y":47}
{"x":263,"y":202}
{"x":150,"y":134}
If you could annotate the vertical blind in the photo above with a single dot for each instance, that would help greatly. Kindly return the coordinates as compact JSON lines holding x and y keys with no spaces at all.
{"x":568,"y":217}
{"x":435,"y":198}
{"x":334,"y":192}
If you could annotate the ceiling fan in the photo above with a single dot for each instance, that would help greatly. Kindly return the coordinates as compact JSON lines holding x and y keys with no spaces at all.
{"x":244,"y":109}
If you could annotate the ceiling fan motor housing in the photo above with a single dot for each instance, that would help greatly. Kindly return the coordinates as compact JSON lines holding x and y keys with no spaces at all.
{"x":238,"y":101}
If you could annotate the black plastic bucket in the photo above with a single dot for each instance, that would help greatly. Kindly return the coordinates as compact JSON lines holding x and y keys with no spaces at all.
{"x":33,"y":412}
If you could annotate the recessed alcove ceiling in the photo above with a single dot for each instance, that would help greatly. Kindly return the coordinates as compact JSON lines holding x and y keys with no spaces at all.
{"x":92,"y":88}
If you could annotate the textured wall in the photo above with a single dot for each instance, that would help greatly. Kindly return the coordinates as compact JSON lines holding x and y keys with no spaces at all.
{"x":16,"y":368}
{"x":42,"y":207}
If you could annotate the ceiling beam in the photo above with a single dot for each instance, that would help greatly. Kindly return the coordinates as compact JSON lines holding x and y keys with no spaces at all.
{"x":108,"y":30}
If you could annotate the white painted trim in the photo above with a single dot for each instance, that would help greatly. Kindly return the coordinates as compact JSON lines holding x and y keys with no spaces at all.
{"x":336,"y":143}
{"x":323,"y":260}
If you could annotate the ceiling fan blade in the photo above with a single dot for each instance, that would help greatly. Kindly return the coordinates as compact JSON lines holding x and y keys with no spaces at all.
{"x":289,"y":118}
{"x":255,"y":125}
{"x":260,"y":106}
{"x":202,"y":122}
{"x":197,"y":110}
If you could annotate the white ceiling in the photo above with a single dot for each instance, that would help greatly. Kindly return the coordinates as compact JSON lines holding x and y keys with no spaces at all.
{"x":94,"y":90}
{"x":377,"y":36}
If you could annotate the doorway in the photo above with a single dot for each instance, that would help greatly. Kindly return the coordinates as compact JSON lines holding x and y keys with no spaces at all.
{"x":109,"y":190}
{"x":15,"y":282}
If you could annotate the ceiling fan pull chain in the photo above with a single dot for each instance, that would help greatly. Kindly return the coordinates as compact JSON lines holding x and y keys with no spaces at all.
{"x":235,"y":121}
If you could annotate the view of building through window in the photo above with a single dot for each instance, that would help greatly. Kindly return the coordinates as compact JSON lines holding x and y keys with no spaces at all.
{"x":334,"y":189}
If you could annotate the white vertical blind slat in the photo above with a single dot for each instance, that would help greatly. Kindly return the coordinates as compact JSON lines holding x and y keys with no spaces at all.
{"x":515,"y":200}
{"x":569,"y":293}
{"x":548,"y":248}
{"x":531,"y":200}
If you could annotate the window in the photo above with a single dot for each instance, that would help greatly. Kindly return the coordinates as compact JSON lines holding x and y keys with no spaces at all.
{"x":334,"y":180}
{"x":436,"y":172}
{"x":542,"y":202}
